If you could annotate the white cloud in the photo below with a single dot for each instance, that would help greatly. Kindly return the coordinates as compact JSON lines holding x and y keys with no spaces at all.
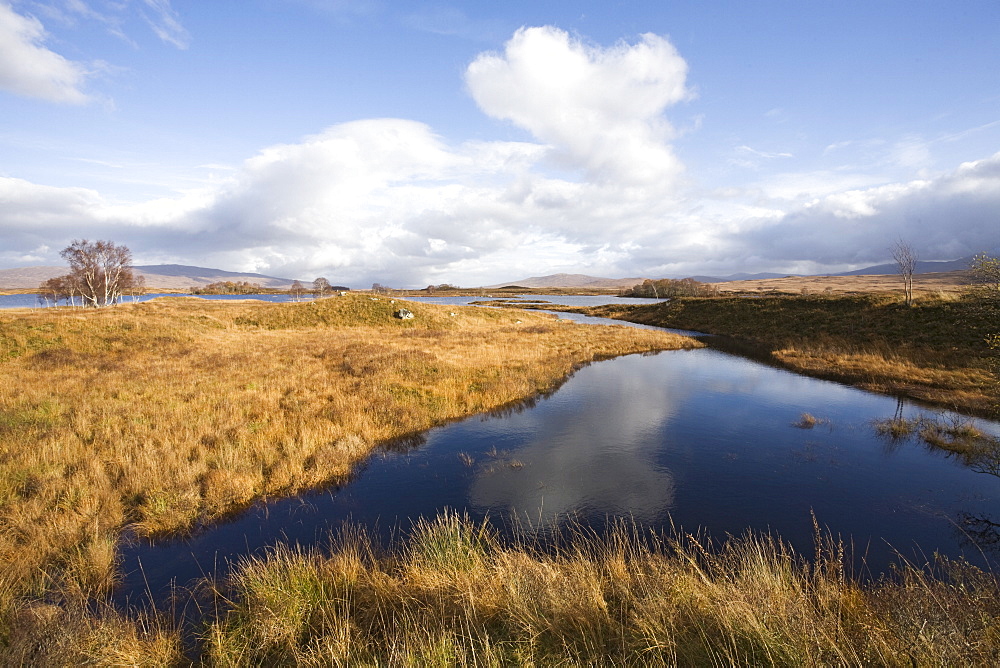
{"x":946,"y":217}
{"x":29,"y":69}
{"x":912,"y":153}
{"x":388,"y":200}
{"x":762,"y":154}
{"x":600,"y":109}
{"x":166,"y":23}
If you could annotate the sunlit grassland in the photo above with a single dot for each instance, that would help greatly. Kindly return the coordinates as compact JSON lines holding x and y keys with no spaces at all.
{"x":935,"y":350}
{"x":159,"y":417}
{"x":454,"y":593}
{"x":163,"y":416}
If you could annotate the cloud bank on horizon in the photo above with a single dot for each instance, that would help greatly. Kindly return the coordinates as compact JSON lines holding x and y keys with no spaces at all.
{"x":587,"y":177}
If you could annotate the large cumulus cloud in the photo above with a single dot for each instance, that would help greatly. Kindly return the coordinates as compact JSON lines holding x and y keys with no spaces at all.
{"x":600,"y":109}
{"x":948,"y":216}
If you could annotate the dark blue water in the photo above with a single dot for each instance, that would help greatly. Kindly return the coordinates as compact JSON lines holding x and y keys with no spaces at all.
{"x":701,"y":439}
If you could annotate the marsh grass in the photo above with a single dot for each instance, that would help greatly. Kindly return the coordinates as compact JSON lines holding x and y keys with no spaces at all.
{"x":936,"y":350}
{"x":957,"y":437}
{"x":809,"y":421}
{"x":161,"y":417}
{"x":453,"y":593}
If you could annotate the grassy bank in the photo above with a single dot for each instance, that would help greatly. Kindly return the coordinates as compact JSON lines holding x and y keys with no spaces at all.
{"x":159,"y":417}
{"x":453,"y":593}
{"x":934,"y":351}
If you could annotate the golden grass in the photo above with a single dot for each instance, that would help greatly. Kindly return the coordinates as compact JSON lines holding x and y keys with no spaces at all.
{"x":933,"y":284}
{"x":963,"y":387}
{"x":937,"y":350}
{"x":163,"y":416}
{"x":455,"y":594}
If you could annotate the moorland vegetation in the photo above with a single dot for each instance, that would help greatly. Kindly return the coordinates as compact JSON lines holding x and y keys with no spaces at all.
{"x":939,"y":347}
{"x":160,"y":417}
{"x":937,"y":350}
{"x":454,"y":593}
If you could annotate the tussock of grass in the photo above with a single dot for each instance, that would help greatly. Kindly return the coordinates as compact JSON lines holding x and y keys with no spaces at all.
{"x":956,"y":437}
{"x":44,"y":634}
{"x":166,"y":415}
{"x":808,"y":421}
{"x":454,"y":594}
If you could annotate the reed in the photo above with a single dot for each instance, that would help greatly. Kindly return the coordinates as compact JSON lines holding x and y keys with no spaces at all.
{"x":161,"y":417}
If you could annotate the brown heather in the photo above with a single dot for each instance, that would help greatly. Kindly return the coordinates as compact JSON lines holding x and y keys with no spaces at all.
{"x":160,"y":417}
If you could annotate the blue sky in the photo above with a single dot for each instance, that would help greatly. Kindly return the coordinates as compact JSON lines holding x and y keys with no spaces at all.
{"x":412,"y":143}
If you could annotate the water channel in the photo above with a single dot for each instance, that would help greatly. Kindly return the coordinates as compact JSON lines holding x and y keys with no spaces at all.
{"x":699,"y":439}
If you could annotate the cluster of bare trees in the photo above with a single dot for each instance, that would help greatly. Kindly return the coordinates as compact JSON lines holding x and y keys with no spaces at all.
{"x":229,"y":288}
{"x":100,"y":274}
{"x":430,"y":289}
{"x":668,"y":287}
{"x":320,"y":288}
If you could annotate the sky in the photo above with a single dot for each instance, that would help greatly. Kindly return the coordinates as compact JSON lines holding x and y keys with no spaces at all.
{"x":417,"y":143}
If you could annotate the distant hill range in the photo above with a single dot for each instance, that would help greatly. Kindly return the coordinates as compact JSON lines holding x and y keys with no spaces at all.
{"x":583,"y":281}
{"x":162,"y":276}
{"x":569,"y":281}
{"x":960,"y":264}
{"x":183,"y":277}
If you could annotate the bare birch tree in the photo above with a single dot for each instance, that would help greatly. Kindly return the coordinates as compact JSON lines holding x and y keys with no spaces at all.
{"x":321,"y":286}
{"x":100,"y":271}
{"x":986,"y":272}
{"x":906,"y":265}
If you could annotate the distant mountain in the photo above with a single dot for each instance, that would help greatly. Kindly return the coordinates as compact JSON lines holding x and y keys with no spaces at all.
{"x":181,"y":276}
{"x":162,"y":276}
{"x":584,"y":281}
{"x":188,"y":270}
{"x":922,"y":267}
{"x":28,"y":277}
{"x":570,"y":281}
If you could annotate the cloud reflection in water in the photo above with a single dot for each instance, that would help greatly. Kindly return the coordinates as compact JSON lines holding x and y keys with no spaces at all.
{"x":578,"y":461}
